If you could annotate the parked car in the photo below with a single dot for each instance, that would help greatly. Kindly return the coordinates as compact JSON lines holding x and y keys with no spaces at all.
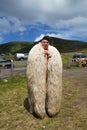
{"x":21,"y":56}
{"x":80,"y":58}
{"x":5,"y":63}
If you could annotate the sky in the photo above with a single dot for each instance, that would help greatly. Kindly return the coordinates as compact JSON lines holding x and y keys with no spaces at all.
{"x":30,"y":20}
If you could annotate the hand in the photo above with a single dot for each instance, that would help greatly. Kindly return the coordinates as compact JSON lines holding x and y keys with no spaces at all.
{"x":46,"y":53}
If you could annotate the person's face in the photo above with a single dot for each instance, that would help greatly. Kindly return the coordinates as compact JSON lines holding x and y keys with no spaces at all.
{"x":45,"y":44}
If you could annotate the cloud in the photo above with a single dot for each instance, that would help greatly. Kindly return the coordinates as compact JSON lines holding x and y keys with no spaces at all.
{"x":46,"y":11}
{"x":11,"y":24}
{"x":73,"y":28}
{"x":48,"y":34}
{"x":39,"y":37}
{"x":67,"y":18}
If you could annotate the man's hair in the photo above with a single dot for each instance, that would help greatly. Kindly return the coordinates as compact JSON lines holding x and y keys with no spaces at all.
{"x":47,"y":38}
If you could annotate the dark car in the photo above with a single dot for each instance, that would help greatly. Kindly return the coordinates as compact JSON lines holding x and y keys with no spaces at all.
{"x":76,"y":57}
{"x":79,"y":59}
{"x":5,"y":63}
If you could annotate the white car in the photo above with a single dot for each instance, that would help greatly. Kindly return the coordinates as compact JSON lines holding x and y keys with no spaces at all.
{"x":21,"y":56}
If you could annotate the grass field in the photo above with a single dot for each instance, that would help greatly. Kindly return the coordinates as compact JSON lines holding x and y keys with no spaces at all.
{"x":14,"y":113}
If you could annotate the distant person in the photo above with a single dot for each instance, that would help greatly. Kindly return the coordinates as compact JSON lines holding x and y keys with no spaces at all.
{"x":44,"y":78}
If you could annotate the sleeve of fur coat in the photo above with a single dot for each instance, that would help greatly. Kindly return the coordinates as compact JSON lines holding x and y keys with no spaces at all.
{"x":36,"y":74}
{"x":54,"y":82}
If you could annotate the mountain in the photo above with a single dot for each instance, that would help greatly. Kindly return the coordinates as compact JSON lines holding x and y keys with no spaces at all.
{"x":14,"y":47}
{"x":61,"y":44}
{"x":69,"y":45}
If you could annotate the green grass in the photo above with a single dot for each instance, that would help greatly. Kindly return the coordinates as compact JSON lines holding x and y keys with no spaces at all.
{"x":15,"y":116}
{"x":66,"y":57}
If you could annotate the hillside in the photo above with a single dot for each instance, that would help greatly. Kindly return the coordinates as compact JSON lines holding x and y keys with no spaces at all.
{"x":61,"y":44}
{"x":14,"y":47}
{"x":69,"y":45}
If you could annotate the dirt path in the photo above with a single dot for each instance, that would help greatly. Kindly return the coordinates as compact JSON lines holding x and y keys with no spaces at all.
{"x":75,"y":72}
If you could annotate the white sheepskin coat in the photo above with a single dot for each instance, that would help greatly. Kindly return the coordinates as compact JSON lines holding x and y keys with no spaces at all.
{"x":44,"y":86}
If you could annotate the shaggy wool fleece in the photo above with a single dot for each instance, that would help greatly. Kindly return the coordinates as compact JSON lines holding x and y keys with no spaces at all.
{"x":44,"y":81}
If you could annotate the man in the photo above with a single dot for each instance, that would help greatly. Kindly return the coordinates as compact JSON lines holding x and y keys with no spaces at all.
{"x":45,"y":44}
{"x":44,"y":76}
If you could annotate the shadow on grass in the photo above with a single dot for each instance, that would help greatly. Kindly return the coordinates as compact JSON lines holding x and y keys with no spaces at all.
{"x":26,"y":104}
{"x":27,"y":107}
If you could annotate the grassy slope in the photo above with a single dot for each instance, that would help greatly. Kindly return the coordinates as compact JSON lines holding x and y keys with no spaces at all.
{"x":14,"y":47}
{"x":69,"y":45}
{"x":60,"y":44}
{"x":13,"y":106}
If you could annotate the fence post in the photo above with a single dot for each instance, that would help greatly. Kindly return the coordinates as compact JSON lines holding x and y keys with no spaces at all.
{"x":11,"y":67}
